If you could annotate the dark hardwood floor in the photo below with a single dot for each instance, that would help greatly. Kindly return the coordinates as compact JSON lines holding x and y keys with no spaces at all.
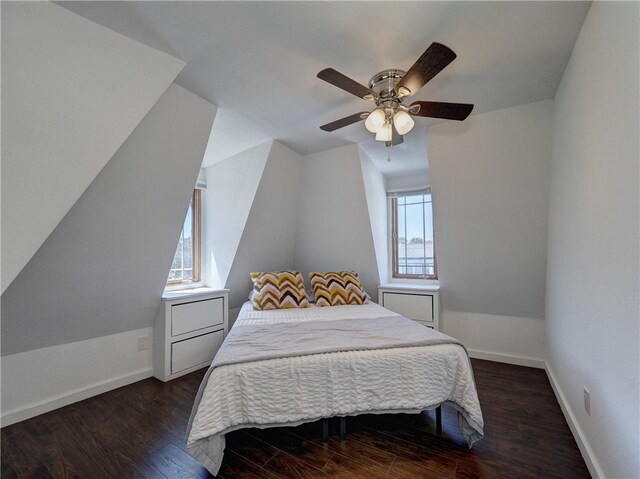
{"x":137,"y":431}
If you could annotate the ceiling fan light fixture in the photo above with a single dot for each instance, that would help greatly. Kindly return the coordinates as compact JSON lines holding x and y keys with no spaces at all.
{"x":390,"y":120}
{"x":403,"y":91}
{"x":375,"y":120}
{"x":403,"y":122}
{"x":384,"y":133}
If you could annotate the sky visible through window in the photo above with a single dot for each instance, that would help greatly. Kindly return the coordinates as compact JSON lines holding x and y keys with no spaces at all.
{"x":419,"y":218}
{"x":415,"y":252}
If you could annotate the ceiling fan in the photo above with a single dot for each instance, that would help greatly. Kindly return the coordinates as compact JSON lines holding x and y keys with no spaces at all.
{"x":390,"y":119}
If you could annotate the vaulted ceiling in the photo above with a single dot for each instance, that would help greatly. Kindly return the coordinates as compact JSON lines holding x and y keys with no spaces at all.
{"x":260,"y":59}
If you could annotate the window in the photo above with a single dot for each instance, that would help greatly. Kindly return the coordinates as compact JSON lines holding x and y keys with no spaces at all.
{"x":186,"y":262}
{"x":413,"y":249}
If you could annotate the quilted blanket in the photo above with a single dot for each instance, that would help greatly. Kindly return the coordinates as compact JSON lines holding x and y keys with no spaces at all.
{"x":288,"y":373}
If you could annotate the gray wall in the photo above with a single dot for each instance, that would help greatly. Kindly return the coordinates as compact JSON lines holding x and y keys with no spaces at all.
{"x":334,"y":227}
{"x":72,"y":92}
{"x":308,"y":213}
{"x":376,"y":196}
{"x":592,"y":279}
{"x":231,"y":188}
{"x":490,"y":181}
{"x":268,"y":238}
{"x":103,"y":269}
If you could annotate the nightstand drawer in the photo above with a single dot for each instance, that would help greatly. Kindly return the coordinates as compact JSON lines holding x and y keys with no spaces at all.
{"x":414,"y":306}
{"x":188,"y":331}
{"x":191,"y":352}
{"x":196,"y":315}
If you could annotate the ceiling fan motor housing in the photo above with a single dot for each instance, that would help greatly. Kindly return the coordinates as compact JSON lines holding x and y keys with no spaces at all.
{"x":384,"y":85}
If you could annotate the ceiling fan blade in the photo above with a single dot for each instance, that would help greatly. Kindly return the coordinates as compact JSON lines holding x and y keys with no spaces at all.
{"x":432,"y":61}
{"x":344,"y":82}
{"x":439,"y":109}
{"x":346,"y":121}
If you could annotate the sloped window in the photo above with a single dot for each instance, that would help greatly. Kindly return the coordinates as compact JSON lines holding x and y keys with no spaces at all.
{"x":413,"y":254}
{"x":185,"y":268}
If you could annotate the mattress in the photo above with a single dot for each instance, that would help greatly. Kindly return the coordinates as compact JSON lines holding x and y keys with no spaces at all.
{"x":291,"y":390}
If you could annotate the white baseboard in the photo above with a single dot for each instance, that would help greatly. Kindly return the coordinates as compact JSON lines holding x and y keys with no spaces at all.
{"x":40,"y":380}
{"x":585,"y":449}
{"x":508,"y":358}
{"x":507,"y":339}
{"x":32,"y":410}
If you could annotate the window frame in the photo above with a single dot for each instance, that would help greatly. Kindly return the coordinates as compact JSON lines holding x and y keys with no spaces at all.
{"x":394,"y":244}
{"x":196,"y":218}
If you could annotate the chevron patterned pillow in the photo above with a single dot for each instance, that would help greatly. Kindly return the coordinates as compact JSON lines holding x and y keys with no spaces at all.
{"x":279,"y":290}
{"x":337,"y":287}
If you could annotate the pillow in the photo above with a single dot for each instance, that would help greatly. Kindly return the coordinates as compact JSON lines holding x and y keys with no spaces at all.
{"x":310,"y":295}
{"x":337,"y":287}
{"x":278,"y":290}
{"x":252,"y":293}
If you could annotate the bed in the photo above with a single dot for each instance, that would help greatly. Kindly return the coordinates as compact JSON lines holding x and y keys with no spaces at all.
{"x":285,"y":367}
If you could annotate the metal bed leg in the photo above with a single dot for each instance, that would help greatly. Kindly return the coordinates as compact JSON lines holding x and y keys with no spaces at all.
{"x":325,"y":430}
{"x":439,"y":420}
{"x":343,"y":428}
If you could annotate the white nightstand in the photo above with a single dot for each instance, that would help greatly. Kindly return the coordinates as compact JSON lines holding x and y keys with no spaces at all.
{"x":189,"y":330}
{"x":419,"y":302}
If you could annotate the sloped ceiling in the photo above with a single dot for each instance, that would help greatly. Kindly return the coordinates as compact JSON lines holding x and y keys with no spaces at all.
{"x":231,"y":189}
{"x":72,"y":92}
{"x":376,"y":195}
{"x":104,"y":267}
{"x":260,"y":59}
{"x":231,"y":135}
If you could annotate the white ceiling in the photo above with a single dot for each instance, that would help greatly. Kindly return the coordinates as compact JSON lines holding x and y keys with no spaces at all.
{"x":230,"y":135}
{"x":259,"y":60}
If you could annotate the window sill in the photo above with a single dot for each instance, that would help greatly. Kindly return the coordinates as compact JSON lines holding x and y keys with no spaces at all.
{"x":190,"y":293}
{"x":411,"y":285}
{"x":414,"y":281}
{"x":183,"y":287}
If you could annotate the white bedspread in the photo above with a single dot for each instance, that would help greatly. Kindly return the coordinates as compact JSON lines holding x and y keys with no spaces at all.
{"x":248,"y":315}
{"x":302,"y":388}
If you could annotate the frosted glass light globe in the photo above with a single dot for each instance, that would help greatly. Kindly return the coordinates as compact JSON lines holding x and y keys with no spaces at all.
{"x":384,"y":133}
{"x":375,"y":120}
{"x":403,"y":122}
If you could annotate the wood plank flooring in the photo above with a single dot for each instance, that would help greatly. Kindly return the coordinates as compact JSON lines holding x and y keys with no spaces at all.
{"x":137,"y":432}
